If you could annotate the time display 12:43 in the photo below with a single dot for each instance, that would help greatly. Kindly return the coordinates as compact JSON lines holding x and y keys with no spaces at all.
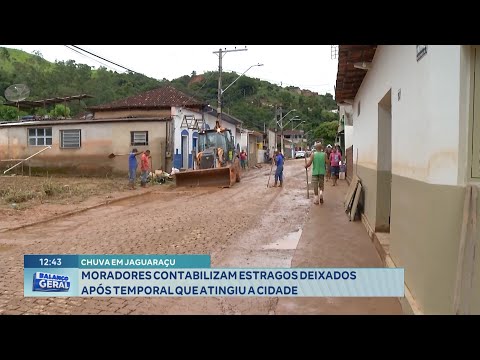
{"x":50,"y":262}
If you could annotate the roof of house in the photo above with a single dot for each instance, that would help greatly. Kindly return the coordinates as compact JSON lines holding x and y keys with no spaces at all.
{"x":226,"y":117}
{"x":252,"y":132}
{"x":25,"y":104}
{"x":43,"y":123}
{"x":162,"y":97}
{"x":349,"y":78}
{"x":293,"y":132}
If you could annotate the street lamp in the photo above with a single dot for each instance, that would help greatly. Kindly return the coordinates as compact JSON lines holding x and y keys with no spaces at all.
{"x":295,"y":118}
{"x":281,"y":127}
{"x":239,"y":76}
{"x":303,"y":122}
{"x":305,"y":137}
{"x":293,"y":128}
{"x":220,"y":91}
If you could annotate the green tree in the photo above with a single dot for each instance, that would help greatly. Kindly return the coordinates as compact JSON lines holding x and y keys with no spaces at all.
{"x":326,"y":131}
{"x":5,"y":54}
{"x":60,"y":110}
{"x":8,"y":113}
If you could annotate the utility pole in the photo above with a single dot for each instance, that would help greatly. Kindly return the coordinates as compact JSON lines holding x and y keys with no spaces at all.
{"x":277,"y":118}
{"x":281,"y":125}
{"x":221,"y":53}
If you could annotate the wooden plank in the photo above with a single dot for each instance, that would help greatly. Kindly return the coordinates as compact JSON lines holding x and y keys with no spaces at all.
{"x":350,"y":201}
{"x":457,"y":295}
{"x":355,"y":202}
{"x":350,"y":191}
{"x":351,"y":195}
{"x":469,"y":263}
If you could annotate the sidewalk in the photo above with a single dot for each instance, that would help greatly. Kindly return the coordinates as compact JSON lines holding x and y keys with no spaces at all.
{"x":329,"y":239}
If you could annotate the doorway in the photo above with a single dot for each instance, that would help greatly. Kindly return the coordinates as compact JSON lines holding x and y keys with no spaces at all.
{"x":184,"y":149}
{"x":194,"y":149}
{"x":384,"y":164}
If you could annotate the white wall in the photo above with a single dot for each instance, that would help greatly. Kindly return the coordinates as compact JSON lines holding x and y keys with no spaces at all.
{"x":238,"y":137}
{"x":178,"y":114}
{"x":210,"y":120}
{"x":348,"y":136}
{"x":271,"y":141}
{"x":244,"y":141}
{"x":348,"y":129}
{"x":231,"y":127}
{"x":425,"y":121}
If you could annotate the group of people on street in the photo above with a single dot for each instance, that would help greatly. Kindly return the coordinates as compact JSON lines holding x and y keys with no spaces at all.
{"x":144,"y":167}
{"x":325,"y":163}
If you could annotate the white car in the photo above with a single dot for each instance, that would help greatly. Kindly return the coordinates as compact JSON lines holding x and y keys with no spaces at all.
{"x":300,"y":154}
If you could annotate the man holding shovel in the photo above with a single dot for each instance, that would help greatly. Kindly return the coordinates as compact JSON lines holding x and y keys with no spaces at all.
{"x":132,"y":167}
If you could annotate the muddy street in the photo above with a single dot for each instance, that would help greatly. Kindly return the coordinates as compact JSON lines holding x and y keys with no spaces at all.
{"x":248,"y":225}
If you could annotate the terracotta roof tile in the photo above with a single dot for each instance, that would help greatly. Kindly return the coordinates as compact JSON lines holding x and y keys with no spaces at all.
{"x":350,"y":78}
{"x":163,"y":97}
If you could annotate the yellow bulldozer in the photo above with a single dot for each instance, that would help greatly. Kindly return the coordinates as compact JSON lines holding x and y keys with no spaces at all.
{"x":217,"y":162}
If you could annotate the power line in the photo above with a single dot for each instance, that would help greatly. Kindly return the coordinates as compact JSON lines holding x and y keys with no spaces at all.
{"x":88,"y":57}
{"x":198,"y":91}
{"x":123,"y":67}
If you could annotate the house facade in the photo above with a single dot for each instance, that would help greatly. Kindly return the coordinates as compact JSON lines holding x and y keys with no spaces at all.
{"x":187,"y":123}
{"x":416,"y":145}
{"x":252,"y":142}
{"x":345,"y":126}
{"x":81,"y":147}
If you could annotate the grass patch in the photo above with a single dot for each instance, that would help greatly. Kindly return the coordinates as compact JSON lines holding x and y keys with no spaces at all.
{"x":15,"y":195}
{"x":31,"y":190}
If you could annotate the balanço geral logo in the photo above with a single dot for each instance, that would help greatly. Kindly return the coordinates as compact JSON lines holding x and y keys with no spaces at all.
{"x":48,"y":282}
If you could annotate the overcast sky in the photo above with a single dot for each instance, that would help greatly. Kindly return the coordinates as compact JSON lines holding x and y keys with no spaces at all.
{"x":305,"y":66}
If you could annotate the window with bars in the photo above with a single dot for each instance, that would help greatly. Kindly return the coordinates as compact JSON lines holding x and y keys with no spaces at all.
{"x":39,"y":136}
{"x":138,"y":138}
{"x":70,"y":139}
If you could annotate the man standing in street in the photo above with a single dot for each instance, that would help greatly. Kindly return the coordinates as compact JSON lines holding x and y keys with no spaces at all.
{"x":318,"y":171}
{"x":144,"y":167}
{"x":243,"y":159}
{"x":132,"y":168}
{"x":279,"y":159}
{"x":335,"y":158}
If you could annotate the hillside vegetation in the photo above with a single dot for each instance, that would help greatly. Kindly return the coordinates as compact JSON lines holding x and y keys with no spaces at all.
{"x":251,"y":100}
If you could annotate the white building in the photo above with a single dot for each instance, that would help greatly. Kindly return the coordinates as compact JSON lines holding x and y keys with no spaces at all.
{"x":345,"y":127}
{"x":184,"y":117}
{"x":417,"y":141}
{"x":187,"y":124}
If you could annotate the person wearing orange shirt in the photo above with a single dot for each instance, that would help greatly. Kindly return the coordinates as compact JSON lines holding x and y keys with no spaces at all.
{"x":144,"y":167}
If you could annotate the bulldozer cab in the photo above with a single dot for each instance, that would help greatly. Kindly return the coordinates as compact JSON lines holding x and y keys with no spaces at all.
{"x":211,"y":140}
{"x":216,"y":162}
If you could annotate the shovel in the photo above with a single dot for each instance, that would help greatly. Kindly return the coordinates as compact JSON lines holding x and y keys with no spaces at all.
{"x":151,"y":170}
{"x":306,"y":173}
{"x":112,"y":155}
{"x":271,"y":168}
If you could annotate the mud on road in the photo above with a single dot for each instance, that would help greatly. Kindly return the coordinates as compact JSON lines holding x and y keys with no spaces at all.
{"x":248,"y":225}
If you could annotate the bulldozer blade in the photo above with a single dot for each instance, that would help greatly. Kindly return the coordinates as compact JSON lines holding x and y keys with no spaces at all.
{"x":220,"y":177}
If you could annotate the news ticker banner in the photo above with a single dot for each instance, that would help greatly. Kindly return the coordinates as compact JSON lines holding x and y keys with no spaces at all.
{"x":191,"y":275}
